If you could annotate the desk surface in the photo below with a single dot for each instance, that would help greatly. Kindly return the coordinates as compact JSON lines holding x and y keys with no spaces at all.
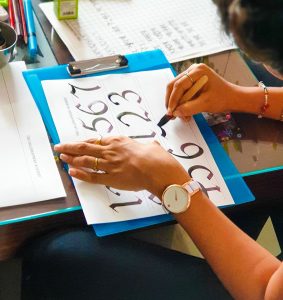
{"x":259,"y":152}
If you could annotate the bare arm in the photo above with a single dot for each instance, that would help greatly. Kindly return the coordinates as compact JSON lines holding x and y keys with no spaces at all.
{"x":251,"y":99}
{"x":219,"y":95}
{"x":246,"y":269}
{"x":242,"y":265}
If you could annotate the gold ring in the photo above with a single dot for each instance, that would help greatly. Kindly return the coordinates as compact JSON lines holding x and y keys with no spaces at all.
{"x":189,"y":76}
{"x":98,"y":140}
{"x":95,"y":165}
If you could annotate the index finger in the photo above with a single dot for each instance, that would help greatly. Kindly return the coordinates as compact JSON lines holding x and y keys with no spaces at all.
{"x":179,"y":88}
{"x":170,"y":87}
{"x":182,"y":88}
{"x":79,"y":148}
{"x":171,"y":84}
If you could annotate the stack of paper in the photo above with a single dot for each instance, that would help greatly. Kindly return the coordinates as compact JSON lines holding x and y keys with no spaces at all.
{"x":28,"y":169}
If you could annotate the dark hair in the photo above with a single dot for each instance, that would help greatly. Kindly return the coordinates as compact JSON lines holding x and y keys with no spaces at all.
{"x":257,"y":27}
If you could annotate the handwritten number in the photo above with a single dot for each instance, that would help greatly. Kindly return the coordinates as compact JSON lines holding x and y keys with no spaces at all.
{"x":156,"y":200}
{"x":122,"y":114}
{"x":183,"y":148}
{"x":210,"y":189}
{"x":94,"y":123}
{"x":75,"y":88}
{"x":92,"y":112}
{"x":112,"y":191}
{"x":209,"y":176}
{"x":143,"y":136}
{"x":196,"y":167}
{"x":122,"y":204}
{"x":123,"y":96}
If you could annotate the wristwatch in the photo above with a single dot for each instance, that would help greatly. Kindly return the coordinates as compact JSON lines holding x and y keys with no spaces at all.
{"x":177,"y":198}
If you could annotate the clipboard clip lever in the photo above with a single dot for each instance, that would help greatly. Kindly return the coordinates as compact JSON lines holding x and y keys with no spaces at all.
{"x":90,"y":66}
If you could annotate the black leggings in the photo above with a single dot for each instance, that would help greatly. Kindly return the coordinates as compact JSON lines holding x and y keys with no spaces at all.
{"x":75,"y":264}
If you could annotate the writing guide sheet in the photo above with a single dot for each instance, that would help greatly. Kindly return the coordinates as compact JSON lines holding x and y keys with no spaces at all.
{"x":28,"y":170}
{"x":181,"y":29}
{"x":129,"y":104}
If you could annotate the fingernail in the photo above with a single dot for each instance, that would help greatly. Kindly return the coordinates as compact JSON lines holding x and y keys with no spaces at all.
{"x":63,"y":156}
{"x":72,"y":172}
{"x":187,"y":119}
{"x":56,"y":147}
{"x":177,"y":114}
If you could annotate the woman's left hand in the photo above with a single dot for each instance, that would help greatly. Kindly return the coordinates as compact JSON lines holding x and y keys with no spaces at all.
{"x":126,"y":164}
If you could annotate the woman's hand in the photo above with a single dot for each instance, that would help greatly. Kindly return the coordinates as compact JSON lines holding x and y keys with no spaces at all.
{"x":216,"y":96}
{"x":126,"y":164}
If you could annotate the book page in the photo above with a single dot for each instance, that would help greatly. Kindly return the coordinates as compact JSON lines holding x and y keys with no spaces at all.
{"x":28,"y":169}
{"x":129,"y":104}
{"x":181,"y":29}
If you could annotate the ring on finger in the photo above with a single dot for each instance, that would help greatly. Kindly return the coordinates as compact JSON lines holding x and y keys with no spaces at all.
{"x":95,"y":164}
{"x":98,"y":140}
{"x":189,"y":76}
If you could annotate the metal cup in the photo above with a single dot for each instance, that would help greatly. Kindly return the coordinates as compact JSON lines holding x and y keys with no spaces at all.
{"x":7,"y":51}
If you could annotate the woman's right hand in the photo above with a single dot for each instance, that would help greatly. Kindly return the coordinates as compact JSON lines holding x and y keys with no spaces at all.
{"x":216,"y":96}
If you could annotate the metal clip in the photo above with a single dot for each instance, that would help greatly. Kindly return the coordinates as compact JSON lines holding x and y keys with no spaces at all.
{"x":90,"y":66}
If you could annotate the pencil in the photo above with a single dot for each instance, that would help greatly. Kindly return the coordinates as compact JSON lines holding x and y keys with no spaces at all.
{"x":17,"y":18}
{"x":11,"y":14}
{"x":23,"y":23}
{"x":187,"y":97}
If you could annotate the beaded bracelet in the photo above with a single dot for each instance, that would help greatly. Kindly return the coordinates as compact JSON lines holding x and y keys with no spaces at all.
{"x":265,"y":105}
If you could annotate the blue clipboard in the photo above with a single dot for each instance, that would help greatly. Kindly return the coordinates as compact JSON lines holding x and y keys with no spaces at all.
{"x":144,"y":61}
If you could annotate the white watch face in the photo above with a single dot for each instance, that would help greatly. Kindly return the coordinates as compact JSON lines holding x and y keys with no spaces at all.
{"x":176,"y":199}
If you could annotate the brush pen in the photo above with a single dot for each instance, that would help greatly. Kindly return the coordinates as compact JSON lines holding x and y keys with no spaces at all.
{"x":187,"y":97}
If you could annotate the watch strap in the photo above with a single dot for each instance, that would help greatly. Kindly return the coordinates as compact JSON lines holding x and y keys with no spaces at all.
{"x":192,"y":187}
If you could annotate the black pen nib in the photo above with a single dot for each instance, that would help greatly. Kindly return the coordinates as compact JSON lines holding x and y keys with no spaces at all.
{"x":165,"y":119}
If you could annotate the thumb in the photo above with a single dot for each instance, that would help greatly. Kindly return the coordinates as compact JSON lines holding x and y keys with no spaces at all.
{"x":191,"y":107}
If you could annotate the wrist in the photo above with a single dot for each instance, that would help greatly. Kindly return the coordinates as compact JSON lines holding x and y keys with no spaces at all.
{"x":235,"y":99}
{"x":245,"y":100}
{"x":177,"y":198}
{"x":159,"y":187}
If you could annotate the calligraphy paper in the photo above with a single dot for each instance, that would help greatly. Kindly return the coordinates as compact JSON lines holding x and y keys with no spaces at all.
{"x":129,"y":104}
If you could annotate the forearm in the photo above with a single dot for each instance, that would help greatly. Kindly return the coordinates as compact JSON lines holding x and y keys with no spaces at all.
{"x":241,"y":264}
{"x":251,"y":99}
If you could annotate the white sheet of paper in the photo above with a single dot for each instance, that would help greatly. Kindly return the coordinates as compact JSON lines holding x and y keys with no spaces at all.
{"x":181,"y":29}
{"x":81,"y":108}
{"x":28,"y":169}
